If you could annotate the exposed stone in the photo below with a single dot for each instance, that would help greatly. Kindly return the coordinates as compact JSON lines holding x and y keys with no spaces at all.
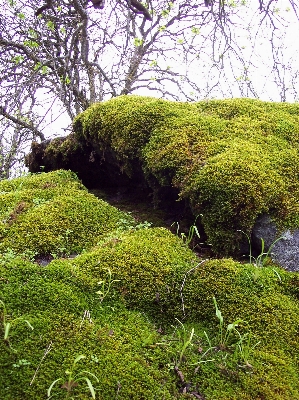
{"x":285,"y":251}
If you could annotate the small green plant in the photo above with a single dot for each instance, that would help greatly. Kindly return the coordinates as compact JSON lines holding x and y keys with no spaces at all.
{"x":230,"y":341}
{"x":7,"y":256}
{"x":193,"y":231}
{"x":7,"y":325}
{"x":125,"y":224}
{"x":21,"y":363}
{"x":94,"y":359}
{"x":38,"y":201}
{"x":10,"y":255}
{"x":185,"y":339}
{"x":73,"y":379}
{"x":262,"y":258}
{"x":224,"y":335}
{"x":106,"y":286}
{"x":64,"y":248}
{"x":143,"y":225}
{"x":244,"y":349}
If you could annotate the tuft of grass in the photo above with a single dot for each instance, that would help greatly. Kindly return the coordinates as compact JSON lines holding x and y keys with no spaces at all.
{"x":73,"y":380}
{"x":187,"y":238}
{"x":224,"y":335}
{"x":263,"y":257}
{"x":7,"y":323}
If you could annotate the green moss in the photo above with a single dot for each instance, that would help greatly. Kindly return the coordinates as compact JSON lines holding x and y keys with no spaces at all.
{"x":53,"y":214}
{"x":157,"y":313}
{"x":149,"y":265}
{"x":62,"y":148}
{"x":232,"y":160}
{"x":62,"y":179}
{"x":113,"y":345}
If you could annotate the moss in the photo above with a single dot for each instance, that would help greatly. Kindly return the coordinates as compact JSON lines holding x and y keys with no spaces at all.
{"x":62,"y":179}
{"x":114,"y":353}
{"x":116,"y":341}
{"x":149,"y":264}
{"x":134,"y":335}
{"x":53,"y":215}
{"x":232,"y":160}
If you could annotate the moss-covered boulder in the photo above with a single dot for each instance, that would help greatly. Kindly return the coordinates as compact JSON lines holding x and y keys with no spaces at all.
{"x":229,"y":160}
{"x":135,"y":315}
{"x":52,"y":214}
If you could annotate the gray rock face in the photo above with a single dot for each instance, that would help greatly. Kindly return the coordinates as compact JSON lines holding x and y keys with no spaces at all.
{"x":285,"y":251}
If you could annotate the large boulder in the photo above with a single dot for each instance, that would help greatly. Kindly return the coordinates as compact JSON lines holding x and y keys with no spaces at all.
{"x":228,"y":161}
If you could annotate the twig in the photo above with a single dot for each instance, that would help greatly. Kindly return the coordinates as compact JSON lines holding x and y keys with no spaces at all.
{"x":184,"y":280}
{"x":118,"y":389}
{"x":44,"y":356}
{"x":86,"y":315}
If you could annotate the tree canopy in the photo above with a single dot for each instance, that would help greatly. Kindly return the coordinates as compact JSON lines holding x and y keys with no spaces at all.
{"x":59,"y":57}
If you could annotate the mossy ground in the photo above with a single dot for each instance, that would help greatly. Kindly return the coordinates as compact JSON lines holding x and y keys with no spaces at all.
{"x":137,"y":303}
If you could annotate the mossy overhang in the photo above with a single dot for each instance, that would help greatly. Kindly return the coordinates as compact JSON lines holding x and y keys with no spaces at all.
{"x":229,"y":160}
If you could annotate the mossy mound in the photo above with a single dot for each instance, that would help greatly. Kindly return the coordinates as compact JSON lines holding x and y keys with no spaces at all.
{"x":230,"y":160}
{"x":52,"y":214}
{"x":141,"y":308}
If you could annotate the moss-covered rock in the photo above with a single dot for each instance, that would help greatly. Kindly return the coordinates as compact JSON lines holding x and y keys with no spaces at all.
{"x":230,"y":160}
{"x":151,"y":320}
{"x":52,"y":214}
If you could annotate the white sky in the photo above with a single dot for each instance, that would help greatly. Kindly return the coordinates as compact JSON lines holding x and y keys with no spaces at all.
{"x":256,"y":47}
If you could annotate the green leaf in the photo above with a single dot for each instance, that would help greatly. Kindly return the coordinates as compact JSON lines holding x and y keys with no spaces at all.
{"x":91,"y":374}
{"x":51,"y":386}
{"x":18,"y":59}
{"x":218,"y":312}
{"x":50,"y":25}
{"x":138,"y":42}
{"x":153,"y":63}
{"x":31,"y":43}
{"x":29,"y":325}
{"x":37,"y":66}
{"x":195,"y":31}
{"x":91,"y":389}
{"x":32,"y":33}
{"x":77,"y":359}
{"x":7,"y":329}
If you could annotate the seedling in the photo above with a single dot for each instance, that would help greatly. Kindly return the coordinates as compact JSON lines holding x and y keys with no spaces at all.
{"x":185,"y":338}
{"x":125,"y":224}
{"x":21,"y":363}
{"x":224,"y":335}
{"x":7,"y":325}
{"x":261,"y":259}
{"x":187,"y":239}
{"x":64,"y":248}
{"x":187,"y":341}
{"x":106,"y":286}
{"x":245,"y":348}
{"x":73,"y":379}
